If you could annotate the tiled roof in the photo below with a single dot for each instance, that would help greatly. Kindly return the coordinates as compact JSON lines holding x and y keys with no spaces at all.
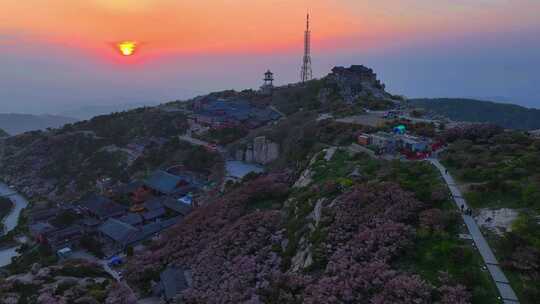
{"x":40,"y":227}
{"x":128,"y":188}
{"x":154,"y":203}
{"x":168,"y":223}
{"x":131,"y":218}
{"x":177,"y":206}
{"x":174,"y":281}
{"x":118,"y":231}
{"x":153,"y":214}
{"x":163,"y":182}
{"x":102,"y":206}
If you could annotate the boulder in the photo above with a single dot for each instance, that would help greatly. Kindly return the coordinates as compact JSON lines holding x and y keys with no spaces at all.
{"x":86,"y":300}
{"x":35,"y":268}
{"x":9,"y":299}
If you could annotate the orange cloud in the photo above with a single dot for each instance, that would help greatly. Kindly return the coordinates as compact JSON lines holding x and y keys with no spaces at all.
{"x":209,"y":26}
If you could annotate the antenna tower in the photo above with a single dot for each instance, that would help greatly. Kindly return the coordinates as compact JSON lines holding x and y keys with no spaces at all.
{"x":306,"y":73}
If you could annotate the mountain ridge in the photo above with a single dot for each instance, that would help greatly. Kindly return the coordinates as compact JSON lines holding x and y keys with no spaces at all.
{"x":16,"y":123}
{"x":506,"y":115}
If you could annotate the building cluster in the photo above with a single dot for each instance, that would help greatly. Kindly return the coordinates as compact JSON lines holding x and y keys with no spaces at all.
{"x":397,"y":142}
{"x":218,"y":113}
{"x":121,"y":216}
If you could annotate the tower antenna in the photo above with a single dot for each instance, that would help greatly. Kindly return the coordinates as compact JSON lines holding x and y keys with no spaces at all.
{"x":306,"y":73}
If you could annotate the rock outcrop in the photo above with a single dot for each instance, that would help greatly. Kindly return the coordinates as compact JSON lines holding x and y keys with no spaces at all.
{"x":261,"y":151}
{"x":356,"y":82}
{"x":70,"y":282}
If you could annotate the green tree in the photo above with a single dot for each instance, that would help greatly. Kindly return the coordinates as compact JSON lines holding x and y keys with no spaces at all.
{"x":531,"y":195}
{"x":129,"y":251}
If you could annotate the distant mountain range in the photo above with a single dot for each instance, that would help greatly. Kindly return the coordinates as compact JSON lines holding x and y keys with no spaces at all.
{"x":19,"y":123}
{"x":16,"y":123}
{"x":509,"y":116}
{"x":87,"y":112}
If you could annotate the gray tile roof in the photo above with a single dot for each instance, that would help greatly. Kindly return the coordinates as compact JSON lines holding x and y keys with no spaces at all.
{"x":163,"y":182}
{"x":153,"y":214}
{"x":118,"y":231}
{"x":170,"y":222}
{"x":177,"y":206}
{"x":131,"y":218}
{"x":128,"y":188}
{"x":173,"y":280}
{"x":149,"y":230}
{"x":60,"y":238}
{"x":44,"y":214}
{"x":154,"y":203}
{"x":102,"y":207}
{"x":40,"y":227}
{"x":89,"y":222}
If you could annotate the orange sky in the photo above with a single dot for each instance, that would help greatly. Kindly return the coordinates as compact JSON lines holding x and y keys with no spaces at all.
{"x":225,"y":26}
{"x":60,"y":53}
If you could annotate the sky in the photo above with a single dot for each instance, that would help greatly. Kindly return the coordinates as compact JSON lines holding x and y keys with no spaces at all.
{"x":58,"y":55}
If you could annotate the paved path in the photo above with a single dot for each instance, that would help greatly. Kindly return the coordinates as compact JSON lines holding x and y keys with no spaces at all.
{"x":193,"y":141}
{"x":278,"y":111}
{"x":8,"y":194}
{"x":502,"y":283}
{"x":198,"y":142}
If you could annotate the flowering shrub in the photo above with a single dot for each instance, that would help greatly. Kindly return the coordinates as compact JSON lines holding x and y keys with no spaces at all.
{"x":236,"y":254}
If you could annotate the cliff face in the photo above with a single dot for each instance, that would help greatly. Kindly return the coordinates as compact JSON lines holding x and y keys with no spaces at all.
{"x":356,"y":82}
{"x":261,"y":151}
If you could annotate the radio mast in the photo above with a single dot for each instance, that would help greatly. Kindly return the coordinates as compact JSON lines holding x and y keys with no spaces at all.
{"x":306,"y":74}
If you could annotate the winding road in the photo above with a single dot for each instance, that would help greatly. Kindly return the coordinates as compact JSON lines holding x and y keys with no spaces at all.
{"x":501,"y":281}
{"x":10,"y":221}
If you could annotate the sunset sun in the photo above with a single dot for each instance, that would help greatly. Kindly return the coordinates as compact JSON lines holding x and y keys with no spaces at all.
{"x":127,"y":48}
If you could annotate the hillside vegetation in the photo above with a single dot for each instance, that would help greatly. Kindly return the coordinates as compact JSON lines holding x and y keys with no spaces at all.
{"x":505,"y":115}
{"x":502,"y":170}
{"x":387,"y":237}
{"x":65,"y":163}
{"x":324,"y":224}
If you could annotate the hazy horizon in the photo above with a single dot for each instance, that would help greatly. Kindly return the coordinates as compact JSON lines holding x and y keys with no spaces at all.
{"x":57,"y":58}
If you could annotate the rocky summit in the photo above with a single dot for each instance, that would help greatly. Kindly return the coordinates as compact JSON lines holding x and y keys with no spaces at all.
{"x":357,"y":82}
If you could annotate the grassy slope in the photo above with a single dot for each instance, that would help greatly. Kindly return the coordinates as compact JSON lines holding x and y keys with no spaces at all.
{"x":505,"y":173}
